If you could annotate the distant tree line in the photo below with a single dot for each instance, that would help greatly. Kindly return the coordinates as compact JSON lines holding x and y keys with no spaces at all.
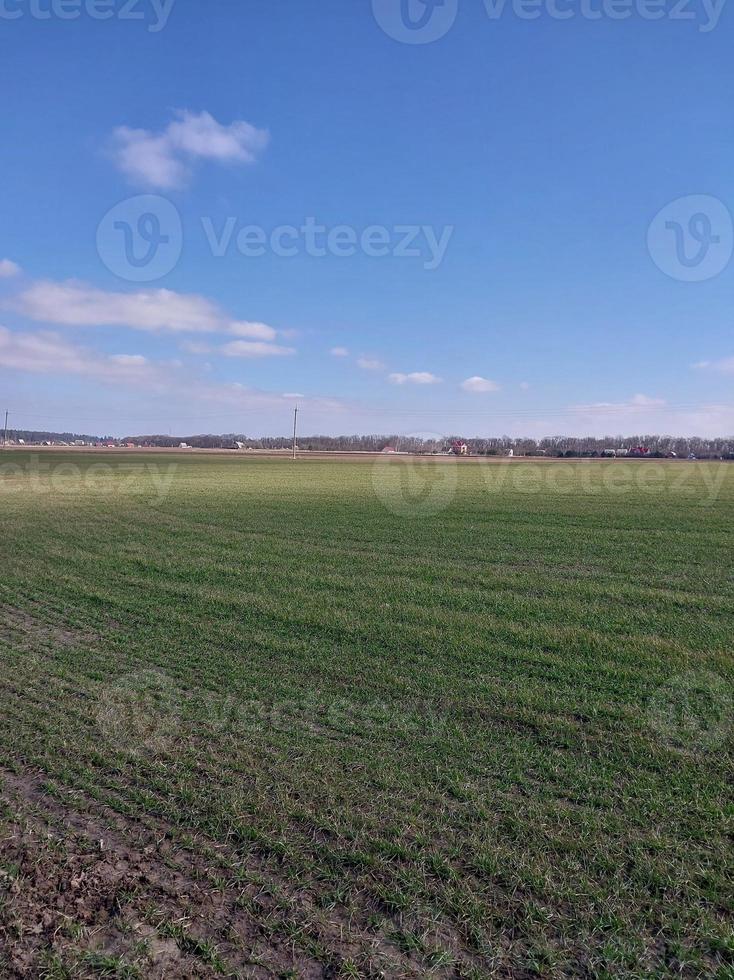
{"x":567,"y":446}
{"x":32,"y":436}
{"x":558,"y":446}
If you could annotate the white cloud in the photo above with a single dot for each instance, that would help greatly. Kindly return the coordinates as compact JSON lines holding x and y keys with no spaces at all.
{"x":255,"y":348}
{"x":643,"y":401}
{"x":76,"y":304}
{"x":49,"y":353}
{"x":479,"y":384}
{"x":46,"y":352}
{"x":129,"y":360}
{"x":164,"y":160}
{"x":196,"y":347}
{"x":642,"y":414}
{"x":414,"y":378}
{"x":370,"y":364}
{"x":339,"y":352}
{"x":723,"y":366}
{"x":633,"y":405}
{"x":258,"y":331}
{"x":524,"y":386}
{"x":9,"y":269}
{"x":293,"y":394}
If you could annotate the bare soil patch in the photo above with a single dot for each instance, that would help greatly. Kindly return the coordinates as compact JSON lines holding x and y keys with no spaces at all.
{"x":88,"y":891}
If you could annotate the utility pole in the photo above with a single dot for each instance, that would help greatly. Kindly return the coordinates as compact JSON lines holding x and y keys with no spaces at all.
{"x":5,"y":436}
{"x":295,"y":426}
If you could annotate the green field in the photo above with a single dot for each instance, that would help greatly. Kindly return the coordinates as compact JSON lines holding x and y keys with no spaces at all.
{"x":263,"y":718}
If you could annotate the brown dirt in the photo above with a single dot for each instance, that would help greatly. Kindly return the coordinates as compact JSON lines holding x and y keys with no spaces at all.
{"x":90,"y":892}
{"x":25,"y":631}
{"x":76,"y":886}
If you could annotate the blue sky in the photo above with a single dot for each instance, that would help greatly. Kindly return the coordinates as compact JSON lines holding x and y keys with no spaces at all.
{"x":523,"y":161}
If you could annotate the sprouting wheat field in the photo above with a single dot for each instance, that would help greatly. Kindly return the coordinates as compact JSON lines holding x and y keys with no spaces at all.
{"x":358,"y":719}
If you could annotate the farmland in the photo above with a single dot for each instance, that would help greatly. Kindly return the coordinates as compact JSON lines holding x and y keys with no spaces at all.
{"x":374,"y":718}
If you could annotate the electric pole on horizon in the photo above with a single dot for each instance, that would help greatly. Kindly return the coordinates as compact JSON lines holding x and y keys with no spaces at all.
{"x":295,"y":428}
{"x":5,"y":432}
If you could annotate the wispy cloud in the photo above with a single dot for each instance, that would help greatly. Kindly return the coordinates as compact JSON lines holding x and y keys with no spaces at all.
{"x":643,"y":414}
{"x":644,"y":401}
{"x":635,"y":402}
{"x":370,"y":363}
{"x":196,"y":347}
{"x":339,"y":352}
{"x":9,"y":269}
{"x":723,"y":366}
{"x":479,"y":385}
{"x":77,"y":304}
{"x":258,"y":331}
{"x":414,"y":378}
{"x":255,"y":348}
{"x":46,"y":352}
{"x":164,"y":160}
